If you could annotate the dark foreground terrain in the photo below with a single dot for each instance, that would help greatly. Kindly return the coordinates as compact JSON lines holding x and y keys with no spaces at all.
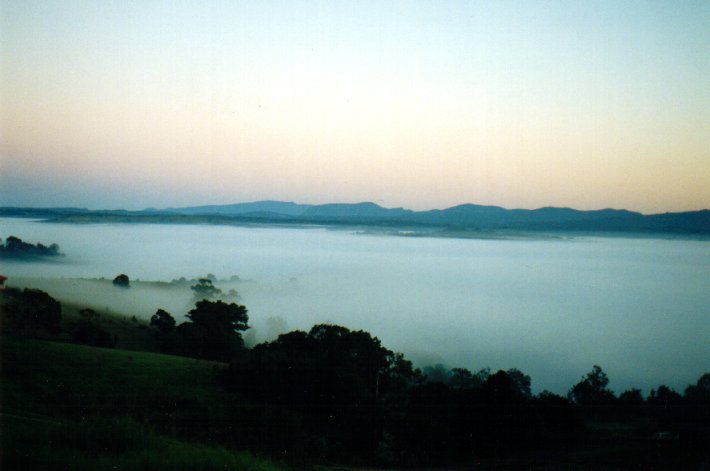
{"x":330,"y":398}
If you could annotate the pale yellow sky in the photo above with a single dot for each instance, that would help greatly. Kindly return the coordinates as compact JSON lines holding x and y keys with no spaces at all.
{"x":408,"y":104}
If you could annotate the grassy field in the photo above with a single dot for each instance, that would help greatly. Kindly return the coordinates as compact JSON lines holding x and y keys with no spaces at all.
{"x":121,"y":444}
{"x":94,"y":408}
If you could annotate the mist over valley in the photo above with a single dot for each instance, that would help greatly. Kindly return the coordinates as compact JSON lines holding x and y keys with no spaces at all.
{"x":550,"y":307}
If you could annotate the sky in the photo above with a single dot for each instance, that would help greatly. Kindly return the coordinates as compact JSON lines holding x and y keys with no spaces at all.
{"x":420,"y":104}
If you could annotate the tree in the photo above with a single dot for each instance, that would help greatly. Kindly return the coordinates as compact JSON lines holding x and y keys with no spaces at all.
{"x":437,"y":373}
{"x":205,"y":289}
{"x":502,"y":388}
{"x":341,"y":379}
{"x":328,"y":365}
{"x":163,"y":321}
{"x":521,"y":382}
{"x":631,"y":397}
{"x":592,"y":389}
{"x":699,"y":393}
{"x":219,"y":315}
{"x":214,"y":332}
{"x":15,"y":247}
{"x":122,"y":281}
{"x":664,"y":396}
{"x":33,"y":312}
{"x":461,"y":378}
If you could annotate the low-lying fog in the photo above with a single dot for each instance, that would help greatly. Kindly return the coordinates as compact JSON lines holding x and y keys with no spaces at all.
{"x":552,"y":308}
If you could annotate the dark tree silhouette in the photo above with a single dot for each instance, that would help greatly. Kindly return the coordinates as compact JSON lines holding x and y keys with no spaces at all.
{"x":461,"y":378}
{"x":205,"y":289}
{"x":215,"y":330}
{"x":521,"y":382}
{"x":341,"y":379}
{"x":219,"y":315}
{"x":122,"y":281}
{"x":34,"y":312}
{"x":699,"y":393}
{"x":664,"y":396}
{"x":163,"y":321}
{"x":631,"y":397}
{"x":15,"y":247}
{"x":328,"y":365}
{"x":437,"y":373}
{"x":500,"y":387}
{"x":592,"y":390}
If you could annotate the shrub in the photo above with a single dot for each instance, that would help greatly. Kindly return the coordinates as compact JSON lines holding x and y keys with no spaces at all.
{"x":122,"y":281}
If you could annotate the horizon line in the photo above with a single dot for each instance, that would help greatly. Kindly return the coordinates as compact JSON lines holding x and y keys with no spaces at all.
{"x":168,"y":208}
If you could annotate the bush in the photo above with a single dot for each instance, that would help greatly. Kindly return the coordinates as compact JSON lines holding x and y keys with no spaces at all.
{"x":122,"y":281}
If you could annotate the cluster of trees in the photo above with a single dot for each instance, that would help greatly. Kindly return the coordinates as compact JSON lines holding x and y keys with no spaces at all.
{"x":353,"y":400}
{"x":592,"y":390}
{"x":14,"y":247}
{"x":205,"y":289}
{"x":34,"y":313}
{"x":357,"y":400}
{"x":213,"y":331}
{"x":31,"y":312}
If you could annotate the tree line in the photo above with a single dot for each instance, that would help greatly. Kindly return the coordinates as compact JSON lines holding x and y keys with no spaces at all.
{"x":14,"y":247}
{"x":352,"y":400}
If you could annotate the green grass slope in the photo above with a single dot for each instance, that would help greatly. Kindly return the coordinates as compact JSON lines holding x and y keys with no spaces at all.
{"x":79,"y":407}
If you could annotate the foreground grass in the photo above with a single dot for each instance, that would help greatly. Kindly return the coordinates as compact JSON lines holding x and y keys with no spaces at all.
{"x":78,"y":407}
{"x":55,"y":378}
{"x":120,"y":444}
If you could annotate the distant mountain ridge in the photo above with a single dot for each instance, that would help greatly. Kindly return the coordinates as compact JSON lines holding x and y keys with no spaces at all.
{"x":275,"y":207}
{"x":469,"y":217}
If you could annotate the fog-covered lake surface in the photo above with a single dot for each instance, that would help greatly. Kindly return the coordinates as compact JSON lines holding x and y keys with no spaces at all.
{"x":639,"y":307}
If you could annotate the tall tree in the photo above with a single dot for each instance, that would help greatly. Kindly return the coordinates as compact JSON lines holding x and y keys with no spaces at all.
{"x":215,"y":330}
{"x":163,"y":321}
{"x":592,"y":389}
{"x":219,"y":315}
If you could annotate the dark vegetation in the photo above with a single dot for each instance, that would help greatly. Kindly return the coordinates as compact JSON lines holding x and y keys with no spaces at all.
{"x":87,"y":330}
{"x":14,"y":247}
{"x":204,"y":288}
{"x":31,"y":313}
{"x":329,"y":396}
{"x":213,"y":332}
{"x":122,"y":281}
{"x":75,"y":407}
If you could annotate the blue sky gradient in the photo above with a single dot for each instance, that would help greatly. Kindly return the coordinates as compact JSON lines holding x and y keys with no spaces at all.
{"x":417,"y":104}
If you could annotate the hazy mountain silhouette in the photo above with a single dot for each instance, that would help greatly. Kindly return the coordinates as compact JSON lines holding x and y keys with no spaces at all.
{"x":358,"y":210}
{"x":468,"y":217}
{"x":264,"y":207}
